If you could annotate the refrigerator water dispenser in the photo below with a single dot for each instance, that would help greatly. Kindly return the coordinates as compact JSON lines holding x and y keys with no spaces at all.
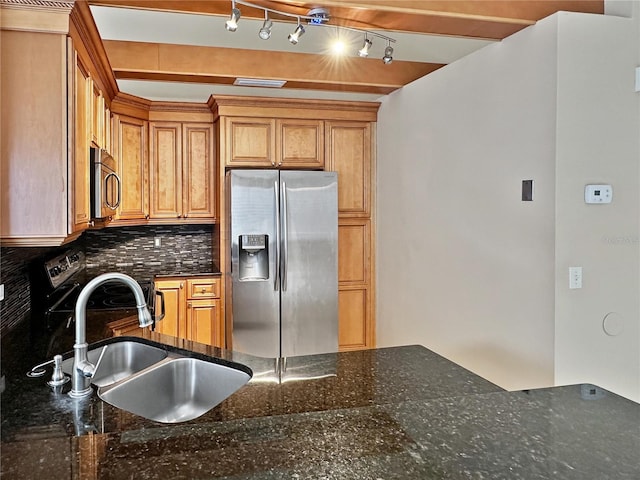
{"x":254,"y":257}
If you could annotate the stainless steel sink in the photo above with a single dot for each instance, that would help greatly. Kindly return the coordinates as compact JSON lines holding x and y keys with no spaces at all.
{"x":119,"y":360}
{"x":175,"y":389}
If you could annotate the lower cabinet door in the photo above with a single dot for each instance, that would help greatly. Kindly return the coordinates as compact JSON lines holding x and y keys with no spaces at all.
{"x":202,"y":321}
{"x":353,"y":325}
{"x":174,"y":302}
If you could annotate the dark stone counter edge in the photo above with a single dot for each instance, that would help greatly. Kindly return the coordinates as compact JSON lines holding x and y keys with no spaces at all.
{"x":219,"y":359}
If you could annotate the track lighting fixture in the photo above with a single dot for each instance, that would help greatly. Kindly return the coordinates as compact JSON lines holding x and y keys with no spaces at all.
{"x":388,"y":55}
{"x":232,"y":23}
{"x":364,"y":51}
{"x":265,"y":31}
{"x":316,"y":17}
{"x":299,"y":31}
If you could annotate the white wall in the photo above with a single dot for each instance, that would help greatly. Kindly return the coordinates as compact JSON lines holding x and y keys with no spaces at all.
{"x":598,"y":142}
{"x":467,"y":269}
{"x":464,"y":266}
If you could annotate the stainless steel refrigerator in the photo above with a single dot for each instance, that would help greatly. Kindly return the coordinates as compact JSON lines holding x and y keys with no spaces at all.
{"x":284,"y":262}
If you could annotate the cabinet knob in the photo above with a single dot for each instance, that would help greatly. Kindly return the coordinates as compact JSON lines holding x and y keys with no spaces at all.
{"x":203,"y":290}
{"x":91,"y":223}
{"x":146,"y":217}
{"x":185,"y":215}
{"x":189,"y":304}
{"x":181,"y":284}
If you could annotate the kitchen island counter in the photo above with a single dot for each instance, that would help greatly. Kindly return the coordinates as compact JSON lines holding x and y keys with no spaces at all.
{"x":401,"y":412}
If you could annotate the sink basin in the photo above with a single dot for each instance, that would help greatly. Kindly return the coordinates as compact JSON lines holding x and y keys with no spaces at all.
{"x":120,"y":360}
{"x":175,"y":390}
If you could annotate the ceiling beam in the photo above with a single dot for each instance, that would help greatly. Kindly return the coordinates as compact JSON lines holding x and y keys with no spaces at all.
{"x":485,"y":19}
{"x":186,"y":63}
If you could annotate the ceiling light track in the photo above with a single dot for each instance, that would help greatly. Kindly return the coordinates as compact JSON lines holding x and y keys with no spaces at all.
{"x":316,"y":17}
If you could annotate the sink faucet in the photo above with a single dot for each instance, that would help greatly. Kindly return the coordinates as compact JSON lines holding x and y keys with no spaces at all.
{"x":83,"y":370}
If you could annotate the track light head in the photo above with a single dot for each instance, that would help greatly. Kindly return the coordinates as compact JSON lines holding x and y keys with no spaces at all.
{"x":388,"y":55}
{"x":265,"y":31}
{"x":364,"y":51}
{"x":299,"y":31}
{"x":232,"y":24}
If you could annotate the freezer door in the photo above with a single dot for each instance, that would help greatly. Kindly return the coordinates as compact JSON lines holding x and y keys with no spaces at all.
{"x":255,"y":299}
{"x":309,"y":262}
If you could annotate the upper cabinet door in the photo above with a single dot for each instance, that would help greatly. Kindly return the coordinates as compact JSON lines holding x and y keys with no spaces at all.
{"x":198,"y":171}
{"x":130,"y":149}
{"x":82,"y":100}
{"x":97,"y":117}
{"x":349,"y":152}
{"x":166,"y":169}
{"x":250,"y":142}
{"x":300,"y":144}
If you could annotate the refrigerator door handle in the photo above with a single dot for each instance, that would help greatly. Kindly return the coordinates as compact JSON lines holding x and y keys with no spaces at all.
{"x":285,"y":238}
{"x":276,"y":283}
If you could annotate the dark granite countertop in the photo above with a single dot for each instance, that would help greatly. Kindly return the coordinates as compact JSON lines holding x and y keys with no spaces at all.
{"x":392,"y":413}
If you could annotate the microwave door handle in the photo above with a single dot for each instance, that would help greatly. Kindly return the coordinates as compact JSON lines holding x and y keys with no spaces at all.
{"x":115,"y":205}
{"x":276,"y":283}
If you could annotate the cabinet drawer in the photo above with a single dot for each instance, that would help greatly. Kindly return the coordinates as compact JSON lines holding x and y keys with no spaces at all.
{"x":203,"y":288}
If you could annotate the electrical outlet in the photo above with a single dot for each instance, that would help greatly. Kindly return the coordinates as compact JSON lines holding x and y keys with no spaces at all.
{"x":575,"y":277}
{"x":157,"y":242}
{"x":1,"y":292}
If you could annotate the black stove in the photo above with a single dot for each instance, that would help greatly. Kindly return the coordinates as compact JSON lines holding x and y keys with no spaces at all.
{"x":56,"y":283}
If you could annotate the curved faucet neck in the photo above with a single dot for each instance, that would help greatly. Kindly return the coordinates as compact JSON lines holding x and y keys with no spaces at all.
{"x":82,"y":368}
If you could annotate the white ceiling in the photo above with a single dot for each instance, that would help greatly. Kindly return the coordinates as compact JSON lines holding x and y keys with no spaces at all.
{"x":208,"y":30}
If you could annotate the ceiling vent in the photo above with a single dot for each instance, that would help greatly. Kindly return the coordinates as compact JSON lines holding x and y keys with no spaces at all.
{"x":259,"y":82}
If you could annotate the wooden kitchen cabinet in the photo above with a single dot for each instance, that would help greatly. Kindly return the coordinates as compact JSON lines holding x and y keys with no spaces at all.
{"x":349,"y":152}
{"x":174,"y":322}
{"x":192,"y":309}
{"x":181,"y":173}
{"x":300,"y":143}
{"x":202,"y":316}
{"x":130,"y":151}
{"x":99,"y":119}
{"x":44,"y":175}
{"x":198,"y":171}
{"x":50,"y":69}
{"x":97,"y":116}
{"x":250,"y":142}
{"x":355,"y":306}
{"x":82,"y":86}
{"x":165,"y":172}
{"x":279,"y":143}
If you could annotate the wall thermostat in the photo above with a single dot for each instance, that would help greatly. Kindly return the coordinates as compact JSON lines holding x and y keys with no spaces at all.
{"x":598,"y":193}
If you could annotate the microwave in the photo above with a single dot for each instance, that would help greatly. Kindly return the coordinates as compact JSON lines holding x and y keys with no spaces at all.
{"x":106,"y":187}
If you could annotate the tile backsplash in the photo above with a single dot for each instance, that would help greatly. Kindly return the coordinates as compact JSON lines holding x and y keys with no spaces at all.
{"x":14,"y":274}
{"x":184,"y":247}
{"x":135,"y":246}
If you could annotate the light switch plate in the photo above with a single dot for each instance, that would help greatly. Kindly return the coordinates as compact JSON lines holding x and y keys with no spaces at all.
{"x":1,"y":292}
{"x":575,"y":277}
